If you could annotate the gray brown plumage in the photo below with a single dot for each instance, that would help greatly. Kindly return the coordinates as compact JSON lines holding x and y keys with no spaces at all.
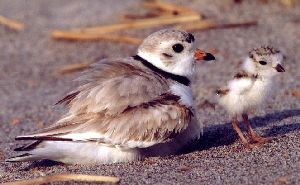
{"x":123,"y":112}
{"x":125,"y":109}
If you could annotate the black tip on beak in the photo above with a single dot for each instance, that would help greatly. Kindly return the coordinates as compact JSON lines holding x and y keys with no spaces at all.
{"x":279,"y":68}
{"x":202,"y":55}
{"x":208,"y":57}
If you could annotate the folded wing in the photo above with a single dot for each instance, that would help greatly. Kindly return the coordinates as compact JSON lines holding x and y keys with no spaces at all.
{"x":119,"y":104}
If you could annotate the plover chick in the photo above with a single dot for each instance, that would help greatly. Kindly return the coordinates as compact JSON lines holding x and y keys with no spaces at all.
{"x":126,"y":109}
{"x":250,"y":88}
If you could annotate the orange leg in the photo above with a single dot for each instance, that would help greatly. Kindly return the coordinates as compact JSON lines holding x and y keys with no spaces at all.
{"x":253,"y":135}
{"x":236,"y":127}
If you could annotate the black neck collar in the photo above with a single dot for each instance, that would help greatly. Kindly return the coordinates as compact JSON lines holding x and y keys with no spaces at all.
{"x":180,"y":79}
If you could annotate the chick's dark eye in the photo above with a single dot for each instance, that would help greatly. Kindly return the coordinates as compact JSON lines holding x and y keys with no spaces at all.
{"x":178,"y":48}
{"x":263,"y":62}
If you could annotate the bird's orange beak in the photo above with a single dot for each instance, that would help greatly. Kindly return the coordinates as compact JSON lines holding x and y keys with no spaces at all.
{"x":202,"y":55}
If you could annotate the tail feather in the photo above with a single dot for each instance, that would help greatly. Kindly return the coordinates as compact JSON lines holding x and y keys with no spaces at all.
{"x":22,"y":158}
{"x":70,"y":152}
{"x":37,"y":137}
{"x":29,"y":147}
{"x":27,"y":155}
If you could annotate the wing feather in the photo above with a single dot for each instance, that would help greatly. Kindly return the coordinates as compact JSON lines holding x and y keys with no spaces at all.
{"x":120,"y":104}
{"x":139,"y":126}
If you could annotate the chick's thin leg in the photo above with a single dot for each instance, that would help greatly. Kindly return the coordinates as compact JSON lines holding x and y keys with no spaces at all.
{"x":253,"y":135}
{"x":236,"y":127}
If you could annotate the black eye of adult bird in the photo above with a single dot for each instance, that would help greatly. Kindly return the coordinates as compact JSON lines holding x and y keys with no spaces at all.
{"x":263,"y":62}
{"x":178,"y":48}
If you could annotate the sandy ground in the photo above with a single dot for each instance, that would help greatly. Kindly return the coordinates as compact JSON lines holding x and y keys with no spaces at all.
{"x":30,"y":87}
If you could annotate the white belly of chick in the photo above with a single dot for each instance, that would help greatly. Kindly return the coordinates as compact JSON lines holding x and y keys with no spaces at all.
{"x":236,"y":103}
{"x":258,"y":94}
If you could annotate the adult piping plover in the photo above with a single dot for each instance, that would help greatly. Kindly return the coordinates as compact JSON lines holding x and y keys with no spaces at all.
{"x":126,"y":109}
{"x":250,"y":88}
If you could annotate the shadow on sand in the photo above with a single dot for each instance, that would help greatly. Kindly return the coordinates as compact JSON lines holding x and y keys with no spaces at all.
{"x":223,"y":134}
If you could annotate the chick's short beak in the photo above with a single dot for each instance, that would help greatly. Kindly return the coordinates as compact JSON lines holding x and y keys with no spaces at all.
{"x":202,"y":55}
{"x":279,"y":68}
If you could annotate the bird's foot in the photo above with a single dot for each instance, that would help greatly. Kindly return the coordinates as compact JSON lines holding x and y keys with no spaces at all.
{"x":254,"y":145}
{"x":251,"y":145}
{"x":259,"y":139}
{"x":258,"y":142}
